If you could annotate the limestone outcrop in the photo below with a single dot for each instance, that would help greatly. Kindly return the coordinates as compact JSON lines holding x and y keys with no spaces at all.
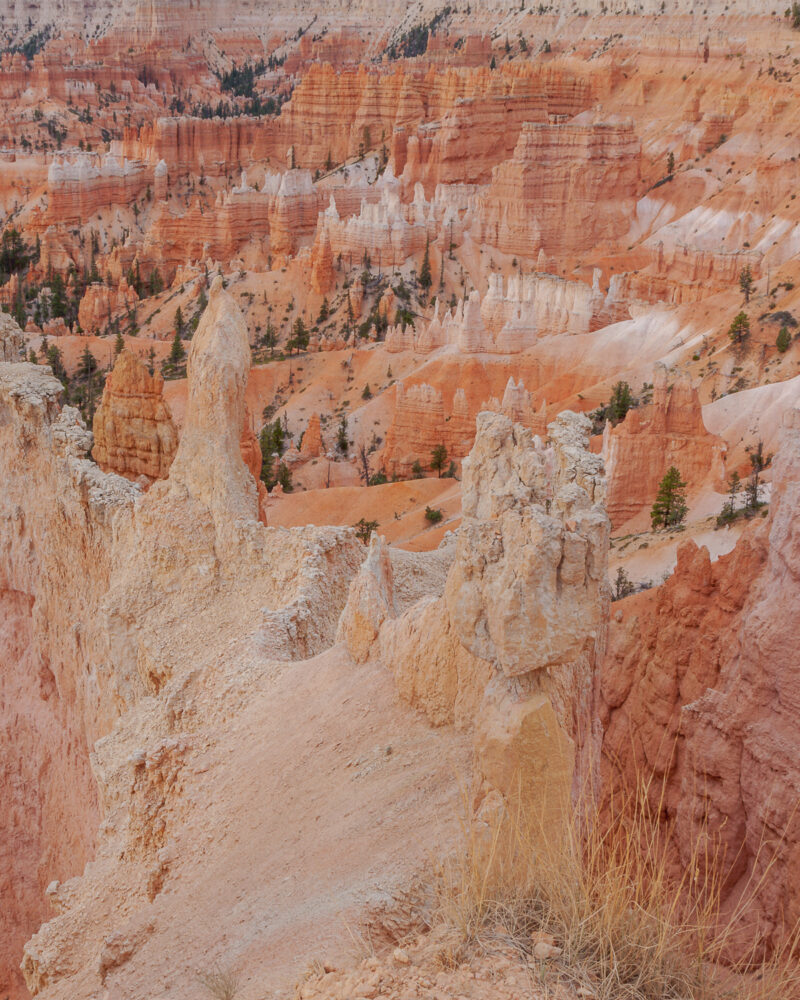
{"x":640,"y":449}
{"x":57,"y":697}
{"x":527,"y":590}
{"x":134,"y":434}
{"x":699,"y":689}
{"x":507,"y":646}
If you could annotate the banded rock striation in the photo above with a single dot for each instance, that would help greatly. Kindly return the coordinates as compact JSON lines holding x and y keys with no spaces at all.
{"x":134,"y":434}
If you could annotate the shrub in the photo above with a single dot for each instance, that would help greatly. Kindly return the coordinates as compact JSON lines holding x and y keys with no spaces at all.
{"x":433,"y":514}
{"x":783,"y":340}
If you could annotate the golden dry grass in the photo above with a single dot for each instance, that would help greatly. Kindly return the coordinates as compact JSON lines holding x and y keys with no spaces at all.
{"x":603,"y":888}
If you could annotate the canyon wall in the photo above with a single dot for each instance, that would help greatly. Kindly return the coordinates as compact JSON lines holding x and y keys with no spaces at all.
{"x":567,"y":188}
{"x":699,"y":687}
{"x":57,"y":694}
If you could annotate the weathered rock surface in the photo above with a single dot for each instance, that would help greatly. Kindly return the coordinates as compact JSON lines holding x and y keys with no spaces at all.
{"x":508,"y":645}
{"x":527,"y":590}
{"x":699,"y":688}
{"x":134,"y":434}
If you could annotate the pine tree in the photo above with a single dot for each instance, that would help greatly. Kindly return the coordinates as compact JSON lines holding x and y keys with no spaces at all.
{"x":670,"y":507}
{"x":728,"y":512}
{"x":783,"y":340}
{"x":758,"y":462}
{"x":439,"y":459}
{"x":425,"y":278}
{"x":341,"y":436}
{"x":739,"y":328}
{"x":119,"y":344}
{"x":300,"y":336}
{"x":179,"y":322}
{"x":670,"y":164}
{"x":177,"y":352}
{"x":621,"y":401}
{"x":746,"y":282}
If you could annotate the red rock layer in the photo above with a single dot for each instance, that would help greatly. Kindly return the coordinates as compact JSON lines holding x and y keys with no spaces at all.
{"x":700,"y":687}
{"x":100,"y":304}
{"x":640,"y":449}
{"x":566,"y":189}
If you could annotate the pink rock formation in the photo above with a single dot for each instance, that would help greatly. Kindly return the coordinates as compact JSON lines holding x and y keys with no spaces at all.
{"x":420,"y":422}
{"x":133,"y":430}
{"x":640,"y":449}
{"x":698,"y":688}
{"x":566,"y":188}
{"x":312,"y":445}
{"x":323,"y":277}
{"x":100,"y":304}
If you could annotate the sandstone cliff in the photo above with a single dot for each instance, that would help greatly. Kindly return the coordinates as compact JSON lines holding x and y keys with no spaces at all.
{"x":133,"y":430}
{"x":698,"y":688}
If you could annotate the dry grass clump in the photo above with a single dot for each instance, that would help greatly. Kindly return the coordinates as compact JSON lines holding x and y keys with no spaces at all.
{"x":220,"y":983}
{"x":603,"y":889}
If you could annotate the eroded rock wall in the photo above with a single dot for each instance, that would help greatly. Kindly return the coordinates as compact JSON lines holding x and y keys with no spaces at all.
{"x":700,"y":688}
{"x":57,"y":695}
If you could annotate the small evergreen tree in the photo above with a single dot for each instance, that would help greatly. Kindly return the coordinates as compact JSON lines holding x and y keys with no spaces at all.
{"x":670,"y":164}
{"x":784,"y":340}
{"x":670,"y":507}
{"x":425,"y":278}
{"x":728,"y":512}
{"x":324,"y":311}
{"x":32,"y":357}
{"x":179,"y":322}
{"x":623,"y":585}
{"x":119,"y":344}
{"x":156,"y":282}
{"x":285,"y":478}
{"x":56,"y":362}
{"x":177,"y":352}
{"x":416,"y":470}
{"x":366,"y":392}
{"x":300,"y":336}
{"x":746,"y":282}
{"x":621,"y":401}
{"x":341,"y":436}
{"x":439,"y":459}
{"x":739,"y":328}
{"x":758,"y":462}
